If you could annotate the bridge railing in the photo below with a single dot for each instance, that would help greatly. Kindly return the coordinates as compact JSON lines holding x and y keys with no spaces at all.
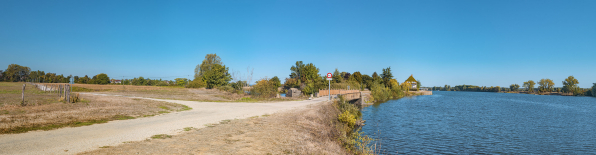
{"x":325,"y":92}
{"x":351,"y":96}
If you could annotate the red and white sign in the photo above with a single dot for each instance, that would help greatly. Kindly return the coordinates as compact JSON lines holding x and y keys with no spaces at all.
{"x":329,"y":75}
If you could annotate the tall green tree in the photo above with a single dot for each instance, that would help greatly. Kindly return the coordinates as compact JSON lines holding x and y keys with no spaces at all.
{"x":207,"y":64}
{"x":367,"y":81}
{"x":356,"y":77}
{"x":514,"y":87}
{"x":275,"y":81}
{"x":102,"y":78}
{"x":546,"y":85}
{"x":529,"y":85}
{"x":376,"y":78}
{"x":297,"y":70}
{"x":570,"y":84}
{"x":387,"y":75}
{"x":16,"y":73}
{"x":418,"y":84}
{"x":336,"y":76}
{"x":216,"y":76}
{"x":309,"y":73}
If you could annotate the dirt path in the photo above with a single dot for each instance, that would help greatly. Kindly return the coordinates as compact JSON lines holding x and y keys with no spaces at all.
{"x":86,"y":138}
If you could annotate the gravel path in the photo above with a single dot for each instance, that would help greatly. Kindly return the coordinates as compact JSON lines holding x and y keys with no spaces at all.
{"x":86,"y":138}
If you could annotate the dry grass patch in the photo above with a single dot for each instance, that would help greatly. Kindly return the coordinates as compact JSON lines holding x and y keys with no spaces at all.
{"x":44,"y":112}
{"x":310,"y":130}
{"x":173,"y":93}
{"x":162,"y":92}
{"x":10,"y":94}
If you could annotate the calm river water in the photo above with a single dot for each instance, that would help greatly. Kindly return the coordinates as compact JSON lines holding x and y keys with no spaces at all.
{"x":483,"y":123}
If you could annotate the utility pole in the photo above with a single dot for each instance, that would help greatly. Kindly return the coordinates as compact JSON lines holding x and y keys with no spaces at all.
{"x":329,"y":77}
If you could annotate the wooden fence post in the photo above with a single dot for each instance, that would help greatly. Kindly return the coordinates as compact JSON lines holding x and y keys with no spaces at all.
{"x":67,"y":93}
{"x":64,"y":92}
{"x":23,"y":96}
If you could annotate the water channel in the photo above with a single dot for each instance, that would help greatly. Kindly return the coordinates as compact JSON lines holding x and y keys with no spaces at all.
{"x":483,"y":123}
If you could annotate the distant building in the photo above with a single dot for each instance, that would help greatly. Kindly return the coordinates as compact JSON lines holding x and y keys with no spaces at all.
{"x":412,"y":81}
{"x":115,"y":81}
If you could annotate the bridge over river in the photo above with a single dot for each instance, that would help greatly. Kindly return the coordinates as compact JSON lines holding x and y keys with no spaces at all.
{"x":357,"y":97}
{"x":360,"y":98}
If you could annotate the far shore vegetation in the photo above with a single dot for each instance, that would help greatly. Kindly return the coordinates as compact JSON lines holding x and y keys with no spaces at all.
{"x":545,"y":87}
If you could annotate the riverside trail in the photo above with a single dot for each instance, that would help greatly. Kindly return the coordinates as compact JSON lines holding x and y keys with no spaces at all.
{"x":74,"y":140}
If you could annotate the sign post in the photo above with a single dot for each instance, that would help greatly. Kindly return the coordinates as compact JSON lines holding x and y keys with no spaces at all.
{"x":329,"y":77}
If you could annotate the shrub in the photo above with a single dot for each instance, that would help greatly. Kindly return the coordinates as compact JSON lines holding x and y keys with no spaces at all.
{"x":351,"y":138}
{"x":264,"y":89}
{"x":380,"y":93}
{"x":162,"y":83}
{"x":238,"y":85}
{"x":227,"y":89}
{"x":347,"y":118}
{"x":197,"y":83}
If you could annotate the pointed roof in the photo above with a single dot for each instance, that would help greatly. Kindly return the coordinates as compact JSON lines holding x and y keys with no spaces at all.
{"x":411,"y":79}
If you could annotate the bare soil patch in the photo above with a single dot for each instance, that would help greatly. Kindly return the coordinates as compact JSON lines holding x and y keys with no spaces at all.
{"x":304,"y":131}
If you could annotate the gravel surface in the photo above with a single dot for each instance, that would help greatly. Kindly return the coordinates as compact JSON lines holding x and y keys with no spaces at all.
{"x":87,"y":138}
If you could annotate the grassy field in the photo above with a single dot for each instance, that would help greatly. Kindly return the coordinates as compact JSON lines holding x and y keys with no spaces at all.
{"x":170,"y":92}
{"x":44,"y":111}
{"x":161,"y":92}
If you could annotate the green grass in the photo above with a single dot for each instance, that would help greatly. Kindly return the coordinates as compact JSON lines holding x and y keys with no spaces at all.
{"x":161,"y":136}
{"x":164,"y":107}
{"x":184,"y":108}
{"x":246,"y":99}
{"x":163,"y":112}
{"x":57,"y":126}
{"x":123,"y":117}
{"x":10,"y":91}
{"x":209,"y":125}
{"x":188,"y":128}
{"x":51,"y":127}
{"x":103,"y":147}
{"x":266,"y":115}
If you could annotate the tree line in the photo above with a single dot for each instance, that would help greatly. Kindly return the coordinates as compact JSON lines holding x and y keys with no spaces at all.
{"x":570,"y":85}
{"x":18,"y":73}
{"x":213,"y":73}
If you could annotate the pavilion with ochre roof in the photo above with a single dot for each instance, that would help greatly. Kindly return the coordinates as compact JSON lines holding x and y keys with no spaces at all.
{"x":412,"y":81}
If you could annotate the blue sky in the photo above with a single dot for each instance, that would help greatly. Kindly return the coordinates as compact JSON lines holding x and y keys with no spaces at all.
{"x":487,"y":43}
